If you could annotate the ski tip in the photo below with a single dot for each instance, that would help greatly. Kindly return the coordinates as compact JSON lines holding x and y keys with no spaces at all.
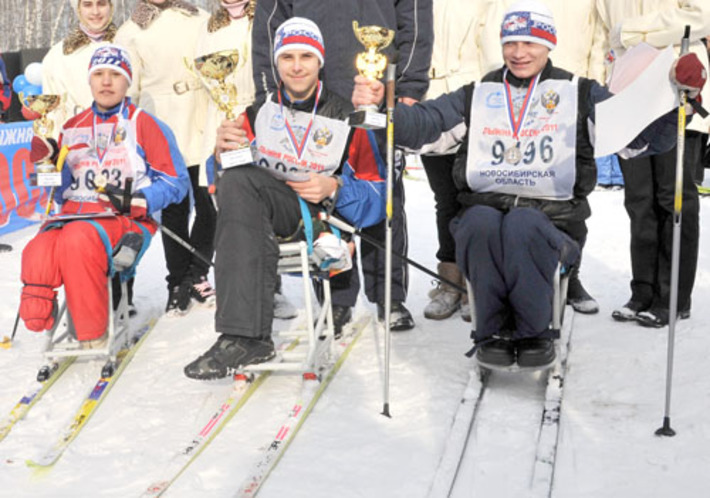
{"x":5,"y":343}
{"x":39,"y":469}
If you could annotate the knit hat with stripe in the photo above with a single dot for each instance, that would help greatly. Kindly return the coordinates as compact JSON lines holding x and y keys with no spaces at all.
{"x":529,"y":21}
{"x":299,"y":33}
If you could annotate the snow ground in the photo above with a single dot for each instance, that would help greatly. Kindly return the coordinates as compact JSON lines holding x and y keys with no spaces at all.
{"x":614,"y":396}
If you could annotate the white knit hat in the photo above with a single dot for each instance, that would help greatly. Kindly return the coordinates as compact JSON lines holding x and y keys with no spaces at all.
{"x":529,"y":21}
{"x":299,"y":33}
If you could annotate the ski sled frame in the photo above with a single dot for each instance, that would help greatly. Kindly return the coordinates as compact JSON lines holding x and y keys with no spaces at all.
{"x":61,"y":341}
{"x":559,"y":301}
{"x":319,"y":331}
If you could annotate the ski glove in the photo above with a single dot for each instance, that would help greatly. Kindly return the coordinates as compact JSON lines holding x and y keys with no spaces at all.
{"x":134,"y":205}
{"x":688,"y":74}
{"x":43,"y":149}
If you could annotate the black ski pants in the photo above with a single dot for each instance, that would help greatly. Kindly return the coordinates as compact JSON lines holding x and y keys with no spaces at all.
{"x":649,"y":195}
{"x":345,"y":286}
{"x":511,"y":260}
{"x":254,"y":209}
{"x":182,"y":263}
{"x":439,"y":173}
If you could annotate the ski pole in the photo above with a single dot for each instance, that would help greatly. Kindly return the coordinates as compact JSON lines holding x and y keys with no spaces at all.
{"x":185,"y":244}
{"x":666,"y":429}
{"x":342,"y":225}
{"x":5,"y":342}
{"x":389,"y":91}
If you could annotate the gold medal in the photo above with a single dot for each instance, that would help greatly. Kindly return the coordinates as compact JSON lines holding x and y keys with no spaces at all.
{"x":513,"y":155}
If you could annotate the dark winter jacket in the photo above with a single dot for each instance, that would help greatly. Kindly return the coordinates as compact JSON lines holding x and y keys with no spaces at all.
{"x":444,"y":121}
{"x":410,"y":19}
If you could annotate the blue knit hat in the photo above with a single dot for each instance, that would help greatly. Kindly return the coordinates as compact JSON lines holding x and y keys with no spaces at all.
{"x":112,"y":57}
{"x":299,"y":33}
{"x":529,"y":21}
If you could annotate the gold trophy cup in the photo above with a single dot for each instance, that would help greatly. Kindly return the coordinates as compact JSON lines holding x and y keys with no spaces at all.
{"x":371,"y":64}
{"x":47,"y":174}
{"x":213,"y":70}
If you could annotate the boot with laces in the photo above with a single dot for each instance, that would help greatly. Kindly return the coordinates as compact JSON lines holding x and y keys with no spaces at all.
{"x":228,"y":355}
{"x":445,"y":300}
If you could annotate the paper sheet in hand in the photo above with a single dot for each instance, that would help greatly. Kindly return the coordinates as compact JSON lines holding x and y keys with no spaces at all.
{"x":639,"y":102}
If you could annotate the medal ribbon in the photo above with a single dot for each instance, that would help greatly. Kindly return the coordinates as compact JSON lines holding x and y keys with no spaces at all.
{"x":95,"y":135}
{"x":516,"y":126}
{"x":300,"y":148}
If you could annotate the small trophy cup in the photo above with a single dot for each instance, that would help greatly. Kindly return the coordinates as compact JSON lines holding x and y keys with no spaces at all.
{"x":47,"y":174}
{"x":213,"y":69}
{"x":371,"y":64}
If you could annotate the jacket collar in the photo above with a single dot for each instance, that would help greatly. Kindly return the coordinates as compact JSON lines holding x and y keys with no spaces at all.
{"x":146,"y":12}
{"x":77,"y":39}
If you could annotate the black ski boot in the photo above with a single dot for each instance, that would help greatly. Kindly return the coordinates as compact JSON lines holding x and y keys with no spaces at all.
{"x":400,"y":317}
{"x":228,"y":354}
{"x":629,"y":311}
{"x":495,"y":353}
{"x":535,"y":352}
{"x":341,"y":317}
{"x":179,"y":299}
{"x":658,"y":317}
{"x":578,"y":297}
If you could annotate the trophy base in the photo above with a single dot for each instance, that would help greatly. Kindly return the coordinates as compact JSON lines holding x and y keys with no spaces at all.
{"x":238,"y":157}
{"x":368,"y":119}
{"x":49,"y":179}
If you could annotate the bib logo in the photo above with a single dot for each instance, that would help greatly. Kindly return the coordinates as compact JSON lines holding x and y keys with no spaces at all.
{"x":322,"y":137}
{"x":120,"y":136}
{"x":495,"y":100}
{"x":277,"y":122}
{"x":549,"y":100}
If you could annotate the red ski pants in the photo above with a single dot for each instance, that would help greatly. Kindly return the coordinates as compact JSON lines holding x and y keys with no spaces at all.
{"x":73,"y":255}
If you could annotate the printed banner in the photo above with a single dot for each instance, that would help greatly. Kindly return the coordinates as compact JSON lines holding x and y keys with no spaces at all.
{"x":20,"y":203}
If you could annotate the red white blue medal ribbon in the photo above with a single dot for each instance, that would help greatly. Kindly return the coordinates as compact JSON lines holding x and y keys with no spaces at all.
{"x":299,"y":148}
{"x":516,"y":125}
{"x":95,"y":136}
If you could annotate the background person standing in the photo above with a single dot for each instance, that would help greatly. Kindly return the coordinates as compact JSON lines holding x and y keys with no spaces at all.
{"x":412,"y":22}
{"x":159,"y":35}
{"x":650,"y":181}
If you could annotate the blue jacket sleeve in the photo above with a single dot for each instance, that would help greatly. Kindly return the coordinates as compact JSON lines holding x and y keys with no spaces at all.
{"x":166,"y":168}
{"x":361,"y":199}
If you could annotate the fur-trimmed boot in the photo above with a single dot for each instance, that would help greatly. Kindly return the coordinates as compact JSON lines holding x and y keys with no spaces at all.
{"x":445,"y":300}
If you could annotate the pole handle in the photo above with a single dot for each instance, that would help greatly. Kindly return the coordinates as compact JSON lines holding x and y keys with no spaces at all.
{"x":685,"y":41}
{"x":389,"y":85}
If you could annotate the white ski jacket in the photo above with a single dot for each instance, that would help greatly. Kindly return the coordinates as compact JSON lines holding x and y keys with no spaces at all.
{"x":162,"y":84}
{"x":237,"y":35}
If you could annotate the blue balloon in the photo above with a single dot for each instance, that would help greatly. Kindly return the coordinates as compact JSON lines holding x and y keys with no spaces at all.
{"x":19,"y":83}
{"x":31,"y":89}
